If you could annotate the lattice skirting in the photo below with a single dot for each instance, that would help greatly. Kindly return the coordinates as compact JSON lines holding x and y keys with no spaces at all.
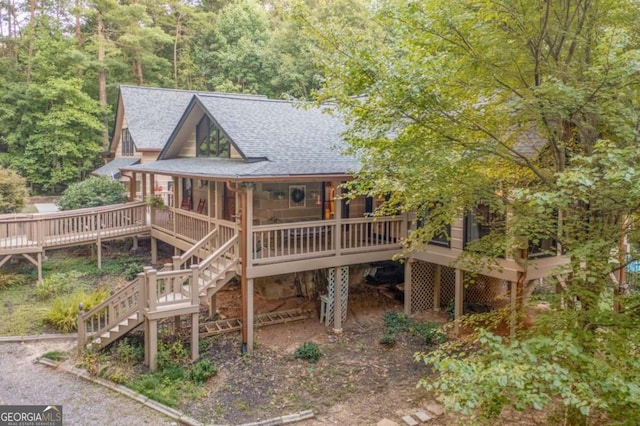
{"x":331,"y":291}
{"x":479,"y":289}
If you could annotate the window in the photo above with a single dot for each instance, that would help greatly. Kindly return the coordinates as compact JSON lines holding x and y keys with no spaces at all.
{"x":442,"y":237}
{"x":545,"y":247}
{"x":126,"y":143}
{"x":482,"y":222}
{"x":210,"y":140}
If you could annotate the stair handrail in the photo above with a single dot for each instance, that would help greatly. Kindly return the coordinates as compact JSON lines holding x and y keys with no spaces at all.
{"x":227,"y":247}
{"x":179,"y":261}
{"x":106,"y":320}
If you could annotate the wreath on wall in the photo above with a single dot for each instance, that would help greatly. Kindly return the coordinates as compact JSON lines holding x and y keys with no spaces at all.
{"x":297,"y":195}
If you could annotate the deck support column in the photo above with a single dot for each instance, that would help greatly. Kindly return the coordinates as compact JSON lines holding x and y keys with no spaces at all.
{"x":437,"y":288}
{"x":250,"y":321}
{"x":176,"y":324}
{"x":153,"y":345}
{"x":408,"y":267}
{"x":154,"y":250}
{"x":513,"y":286}
{"x":458,"y":300}
{"x":135,"y":242}
{"x":195,"y":335}
{"x":213,"y":305}
{"x":337,"y":302}
{"x":39,"y":257}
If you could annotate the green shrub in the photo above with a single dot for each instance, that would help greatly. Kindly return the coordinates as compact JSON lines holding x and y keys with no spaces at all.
{"x":55,"y":355}
{"x":13,"y":280}
{"x":398,"y":322}
{"x":201,"y":371}
{"x":309,"y":351}
{"x":127,"y":352}
{"x":63,"y":314}
{"x":93,"y":192}
{"x":57,"y":284}
{"x":13,"y":191}
{"x":132,"y":270}
{"x":172,"y":355}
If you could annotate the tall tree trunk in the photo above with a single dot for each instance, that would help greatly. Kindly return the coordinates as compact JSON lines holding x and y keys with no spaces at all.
{"x":175,"y":52}
{"x":77,"y":16}
{"x":32,"y":25}
{"x":102,"y":77}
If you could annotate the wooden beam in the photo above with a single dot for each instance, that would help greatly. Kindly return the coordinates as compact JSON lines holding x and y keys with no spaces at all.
{"x":250,"y":319}
{"x":458,"y":300}
{"x":337,"y":301}
{"x":408,"y":267}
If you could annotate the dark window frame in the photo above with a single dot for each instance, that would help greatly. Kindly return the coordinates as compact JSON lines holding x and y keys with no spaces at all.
{"x":442,"y":239}
{"x":126,"y":143}
{"x":210,"y":140}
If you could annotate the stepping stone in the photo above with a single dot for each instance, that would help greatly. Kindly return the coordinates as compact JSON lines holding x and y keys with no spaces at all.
{"x":435,"y":408}
{"x":422,"y":416}
{"x":387,"y":422}
{"x":410,"y":421}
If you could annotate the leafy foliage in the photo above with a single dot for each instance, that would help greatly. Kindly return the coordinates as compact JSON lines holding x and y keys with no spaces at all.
{"x":398,"y":322}
{"x":13,"y":191}
{"x":63,"y":314}
{"x":57,"y":284}
{"x":93,"y":192}
{"x":309,"y":351}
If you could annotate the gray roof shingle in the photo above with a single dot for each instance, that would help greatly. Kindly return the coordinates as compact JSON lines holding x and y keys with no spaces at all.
{"x":152,"y":113}
{"x":112,"y":168}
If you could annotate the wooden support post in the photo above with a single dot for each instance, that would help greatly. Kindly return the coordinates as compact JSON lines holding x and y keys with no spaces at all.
{"x":39,"y":268}
{"x":176,"y":324}
{"x":147,"y":345}
{"x":99,"y":247}
{"x":213,"y":305}
{"x":338,"y":218}
{"x":135,"y":242}
{"x":250,"y":324}
{"x":82,"y":330}
{"x":153,"y":345}
{"x":143,"y":192}
{"x":408,"y":267}
{"x":132,"y":187}
{"x":195,"y":336}
{"x":437,"y":288}
{"x":154,"y":250}
{"x":337,"y":301}
{"x":513,"y":285}
{"x":458,"y":300}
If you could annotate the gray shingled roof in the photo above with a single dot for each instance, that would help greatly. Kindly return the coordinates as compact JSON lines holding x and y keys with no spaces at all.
{"x":112,"y":168}
{"x":152,"y":113}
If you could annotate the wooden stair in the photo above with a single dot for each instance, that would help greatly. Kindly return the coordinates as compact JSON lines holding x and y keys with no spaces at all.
{"x":168,"y":293}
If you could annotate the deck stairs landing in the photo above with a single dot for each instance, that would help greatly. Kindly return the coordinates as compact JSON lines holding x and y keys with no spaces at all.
{"x":174,"y":290}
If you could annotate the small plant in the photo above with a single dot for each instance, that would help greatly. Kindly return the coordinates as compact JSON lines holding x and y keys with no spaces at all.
{"x":57,"y":284}
{"x":155,"y":201}
{"x":118,"y":374}
{"x":55,"y":356}
{"x":172,"y":355}
{"x":398,"y":322}
{"x":201,"y":371}
{"x":128,"y":353}
{"x":309,"y":351}
{"x":12,"y":280}
{"x":432,"y":333}
{"x":63,"y":314}
{"x":132,"y":270}
{"x":91,"y":362}
{"x":388,"y":339}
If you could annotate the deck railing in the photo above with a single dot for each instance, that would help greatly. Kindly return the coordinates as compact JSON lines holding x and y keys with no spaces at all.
{"x":72,"y":227}
{"x":304,"y":240}
{"x":190,"y":226}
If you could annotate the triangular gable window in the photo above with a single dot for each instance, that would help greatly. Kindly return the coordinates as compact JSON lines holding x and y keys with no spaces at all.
{"x":210,"y":140}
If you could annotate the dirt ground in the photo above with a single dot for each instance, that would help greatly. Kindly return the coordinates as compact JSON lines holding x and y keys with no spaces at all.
{"x":357,"y":381}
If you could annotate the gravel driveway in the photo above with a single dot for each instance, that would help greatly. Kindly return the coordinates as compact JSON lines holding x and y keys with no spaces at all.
{"x":83,"y":403}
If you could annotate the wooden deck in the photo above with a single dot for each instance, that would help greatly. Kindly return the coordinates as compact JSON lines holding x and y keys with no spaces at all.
{"x":37,"y":232}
